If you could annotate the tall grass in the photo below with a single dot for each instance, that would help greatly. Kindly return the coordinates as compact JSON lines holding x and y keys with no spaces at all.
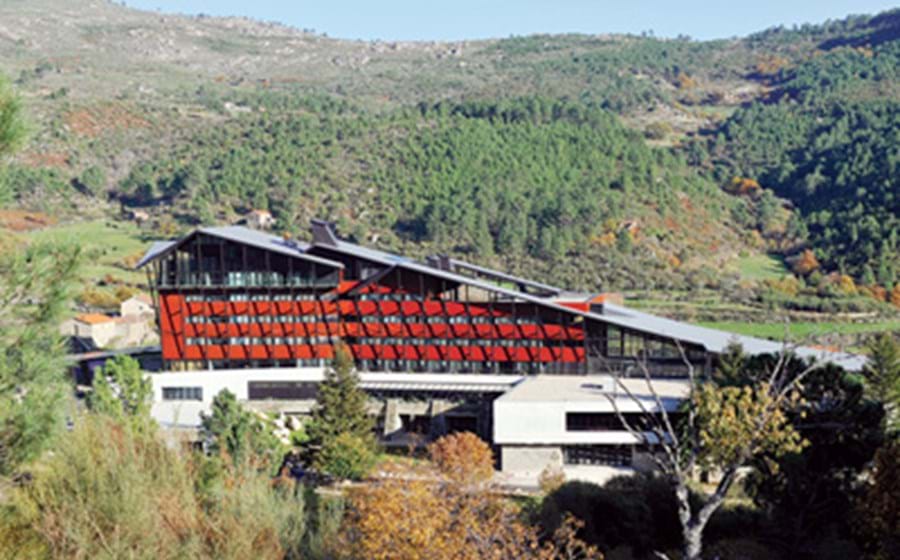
{"x":108,"y":492}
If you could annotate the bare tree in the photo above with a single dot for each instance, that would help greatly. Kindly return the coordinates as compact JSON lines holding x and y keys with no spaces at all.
{"x":720,"y":428}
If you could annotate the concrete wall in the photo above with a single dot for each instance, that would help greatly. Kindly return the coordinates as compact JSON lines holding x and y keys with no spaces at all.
{"x":134,"y":306}
{"x":537,"y":423}
{"x":529,"y":459}
{"x":187,"y":413}
{"x":102,"y":333}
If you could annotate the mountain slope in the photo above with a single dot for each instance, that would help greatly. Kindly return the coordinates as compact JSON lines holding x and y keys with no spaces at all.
{"x":529,"y":152}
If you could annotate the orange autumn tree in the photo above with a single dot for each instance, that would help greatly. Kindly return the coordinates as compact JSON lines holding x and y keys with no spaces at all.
{"x":745,"y":186}
{"x":806,"y":263}
{"x":448,"y":512}
{"x":463,"y":456}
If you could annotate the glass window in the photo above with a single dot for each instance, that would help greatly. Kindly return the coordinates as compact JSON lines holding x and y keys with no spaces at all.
{"x":182,"y":393}
{"x":613,"y":342}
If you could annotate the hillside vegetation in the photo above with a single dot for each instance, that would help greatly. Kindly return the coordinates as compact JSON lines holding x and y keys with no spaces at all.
{"x":530,"y":182}
{"x":594,"y":161}
{"x":829,"y":144}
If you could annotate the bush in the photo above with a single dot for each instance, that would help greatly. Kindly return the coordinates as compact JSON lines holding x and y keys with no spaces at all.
{"x":347,"y":456}
{"x":109,"y":491}
{"x":551,"y":479}
{"x":463,"y":456}
{"x":638,"y":511}
{"x":657,"y":130}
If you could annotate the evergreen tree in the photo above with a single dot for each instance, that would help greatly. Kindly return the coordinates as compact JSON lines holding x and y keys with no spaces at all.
{"x":868,"y":276}
{"x":242,"y":436}
{"x":34,"y":294}
{"x":340,"y":406}
{"x":732,"y":365}
{"x":12,"y":125}
{"x":123,"y":392}
{"x":883,"y":374}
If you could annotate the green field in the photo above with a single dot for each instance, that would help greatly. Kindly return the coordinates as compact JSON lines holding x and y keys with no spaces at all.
{"x":761,"y":267}
{"x":106,"y":245}
{"x":801,"y":330}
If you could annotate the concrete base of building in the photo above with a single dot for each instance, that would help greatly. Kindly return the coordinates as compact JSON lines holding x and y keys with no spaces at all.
{"x":529,"y":481}
{"x":522,"y":465}
{"x":516,"y":459}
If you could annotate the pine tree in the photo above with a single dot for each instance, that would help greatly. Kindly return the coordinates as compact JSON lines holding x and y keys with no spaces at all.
{"x":239,"y":434}
{"x":123,"y":392}
{"x":340,"y":405}
{"x":868,"y":275}
{"x":34,"y":294}
{"x":12,"y":124}
{"x":731,"y":365}
{"x":883,"y":376}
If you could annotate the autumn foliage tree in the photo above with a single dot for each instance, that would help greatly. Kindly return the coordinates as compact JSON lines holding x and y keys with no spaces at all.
{"x":806,"y":263}
{"x":450,"y":512}
{"x":463,"y":456}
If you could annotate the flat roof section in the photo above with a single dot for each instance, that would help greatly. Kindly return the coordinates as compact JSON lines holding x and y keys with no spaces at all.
{"x":590,"y":388}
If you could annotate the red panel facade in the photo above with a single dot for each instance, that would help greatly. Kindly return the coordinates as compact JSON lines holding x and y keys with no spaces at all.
{"x":444,"y":331}
{"x":232,"y":298}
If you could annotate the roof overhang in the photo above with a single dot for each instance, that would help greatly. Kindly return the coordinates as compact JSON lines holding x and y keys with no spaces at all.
{"x":711,"y":340}
{"x":243,"y":235}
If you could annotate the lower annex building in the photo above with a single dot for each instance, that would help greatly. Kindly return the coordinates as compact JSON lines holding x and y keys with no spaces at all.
{"x":441,"y":345}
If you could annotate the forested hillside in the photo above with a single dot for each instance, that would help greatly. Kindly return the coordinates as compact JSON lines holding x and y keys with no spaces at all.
{"x":598,"y":161}
{"x":827,"y":140}
{"x":529,"y":182}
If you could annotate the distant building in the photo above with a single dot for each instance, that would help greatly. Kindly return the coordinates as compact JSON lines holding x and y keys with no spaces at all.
{"x":99,"y":328}
{"x":132,"y":327}
{"x":259,"y":219}
{"x":140,"y":305}
{"x":138,"y":216}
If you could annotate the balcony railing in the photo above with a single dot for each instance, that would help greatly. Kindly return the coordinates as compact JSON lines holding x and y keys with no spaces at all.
{"x":248,"y":280}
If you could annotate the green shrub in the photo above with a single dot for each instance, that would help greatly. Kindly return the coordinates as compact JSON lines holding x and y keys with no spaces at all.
{"x":347,"y":457}
{"x":637,"y":511}
{"x":109,"y":491}
{"x":657,"y":130}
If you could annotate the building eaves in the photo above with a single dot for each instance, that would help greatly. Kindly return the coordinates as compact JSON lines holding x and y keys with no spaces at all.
{"x":502,"y":276}
{"x":244,"y":235}
{"x":156,"y":250}
{"x":269,"y":242}
{"x":716,"y":341}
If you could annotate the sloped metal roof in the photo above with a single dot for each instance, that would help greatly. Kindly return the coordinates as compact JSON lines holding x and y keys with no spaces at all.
{"x":247,"y":236}
{"x":155,"y":250}
{"x":711,"y":340}
{"x":715,"y":340}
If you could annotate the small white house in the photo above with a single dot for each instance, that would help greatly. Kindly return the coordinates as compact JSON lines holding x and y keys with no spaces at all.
{"x":259,"y":219}
{"x":133,"y":327}
{"x":140,"y":305}
{"x":100,"y":328}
